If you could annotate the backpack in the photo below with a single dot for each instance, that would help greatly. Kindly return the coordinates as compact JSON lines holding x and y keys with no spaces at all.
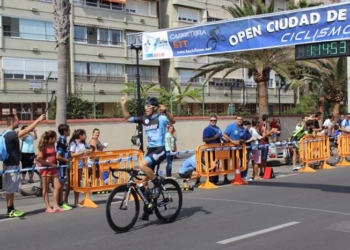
{"x":4,"y":155}
{"x":298,"y":134}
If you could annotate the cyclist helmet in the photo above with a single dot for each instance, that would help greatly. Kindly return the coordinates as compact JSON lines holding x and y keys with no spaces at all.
{"x":153,"y":101}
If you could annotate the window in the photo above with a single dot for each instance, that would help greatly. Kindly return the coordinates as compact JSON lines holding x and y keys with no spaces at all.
{"x":186,"y":76}
{"x":134,"y":39}
{"x":188,"y":15}
{"x":103,"y":36}
{"x":93,"y":69}
{"x":99,"y":36}
{"x":148,"y":74}
{"x":80,"y":34}
{"x":29,"y":29}
{"x":102,"y":4}
{"x":139,"y":7}
{"x":116,"y":37}
{"x":20,"y":68}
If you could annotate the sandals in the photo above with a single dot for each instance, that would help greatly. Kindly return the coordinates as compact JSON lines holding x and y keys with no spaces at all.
{"x":50,"y":211}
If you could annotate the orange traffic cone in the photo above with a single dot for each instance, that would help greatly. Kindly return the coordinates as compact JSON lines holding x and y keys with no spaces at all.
{"x":238,"y":179}
{"x":268,"y":173}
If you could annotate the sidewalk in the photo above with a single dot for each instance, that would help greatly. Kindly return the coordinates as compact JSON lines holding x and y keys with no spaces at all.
{"x":279,"y":169}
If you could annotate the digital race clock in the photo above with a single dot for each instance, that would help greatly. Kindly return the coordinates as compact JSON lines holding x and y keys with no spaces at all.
{"x":322,"y":50}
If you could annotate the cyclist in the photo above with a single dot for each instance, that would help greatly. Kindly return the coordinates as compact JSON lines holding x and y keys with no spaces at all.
{"x":215,"y":33}
{"x":155,"y":128}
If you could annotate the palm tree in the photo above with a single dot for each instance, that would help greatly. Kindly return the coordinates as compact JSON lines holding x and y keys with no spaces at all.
{"x":302,"y":4}
{"x":145,"y":89}
{"x":259,"y":62}
{"x":177,"y":94}
{"x":62,"y":28}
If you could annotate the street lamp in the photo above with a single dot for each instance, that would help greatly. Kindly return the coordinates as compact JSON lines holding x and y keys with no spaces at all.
{"x":279,"y":96}
{"x":203,"y":111}
{"x":47,"y":95}
{"x":138,"y":48}
{"x":94,"y":85}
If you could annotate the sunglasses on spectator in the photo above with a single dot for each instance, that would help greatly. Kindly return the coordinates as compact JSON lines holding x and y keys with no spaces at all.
{"x":213,"y":120}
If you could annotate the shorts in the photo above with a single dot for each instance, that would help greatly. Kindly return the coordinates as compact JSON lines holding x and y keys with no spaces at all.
{"x":27,"y":161}
{"x":155,"y":156}
{"x":256,"y":156}
{"x":62,"y":174}
{"x":295,"y":145}
{"x":186,"y":175}
{"x":12,"y":180}
{"x":264,"y":151}
{"x":49,"y":172}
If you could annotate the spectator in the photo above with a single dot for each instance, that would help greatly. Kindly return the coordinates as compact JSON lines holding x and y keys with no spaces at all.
{"x":297,"y":135}
{"x":341,"y":118}
{"x":188,"y":171}
{"x":80,"y":149}
{"x":345,"y":124}
{"x":265,"y":133}
{"x":63,"y":158}
{"x":317,"y":128}
{"x":27,"y":154}
{"x":12,"y":180}
{"x":248,"y":139}
{"x":336,"y":131}
{"x":256,"y":152}
{"x":328,"y":123}
{"x":236,"y":134}
{"x":94,"y":141}
{"x":170,"y":139}
{"x":47,"y":158}
{"x":279,"y":130}
{"x":298,"y":125}
{"x":213,"y":134}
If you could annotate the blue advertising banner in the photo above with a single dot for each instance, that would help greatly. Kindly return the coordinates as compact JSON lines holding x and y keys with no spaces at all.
{"x":323,"y":23}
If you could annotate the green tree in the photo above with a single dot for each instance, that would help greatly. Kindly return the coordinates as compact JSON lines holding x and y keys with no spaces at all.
{"x":176,"y":95}
{"x":302,"y":4}
{"x":77,"y":107}
{"x":61,"y":25}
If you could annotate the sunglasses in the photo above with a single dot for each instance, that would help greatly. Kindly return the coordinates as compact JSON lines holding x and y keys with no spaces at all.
{"x":148,"y":106}
{"x":213,"y":120}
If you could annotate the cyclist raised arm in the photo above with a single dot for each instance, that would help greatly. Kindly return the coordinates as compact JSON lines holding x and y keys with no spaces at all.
{"x":155,"y":128}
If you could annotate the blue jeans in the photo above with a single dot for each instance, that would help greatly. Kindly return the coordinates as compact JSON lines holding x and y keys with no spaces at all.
{"x":169,"y":163}
{"x":245,"y":172}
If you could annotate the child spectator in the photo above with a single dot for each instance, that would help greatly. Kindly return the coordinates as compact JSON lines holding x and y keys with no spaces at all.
{"x":80,"y":149}
{"x":47,"y":158}
{"x":63,"y":158}
{"x":170,"y":139}
{"x":27,"y":154}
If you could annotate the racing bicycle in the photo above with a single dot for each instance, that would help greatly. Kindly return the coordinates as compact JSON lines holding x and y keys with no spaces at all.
{"x":123,"y":205}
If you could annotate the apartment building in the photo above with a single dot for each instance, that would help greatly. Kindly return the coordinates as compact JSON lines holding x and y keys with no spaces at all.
{"x":101,"y":31}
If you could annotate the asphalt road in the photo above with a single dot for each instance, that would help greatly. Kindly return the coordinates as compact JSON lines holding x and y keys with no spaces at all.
{"x":294,"y":211}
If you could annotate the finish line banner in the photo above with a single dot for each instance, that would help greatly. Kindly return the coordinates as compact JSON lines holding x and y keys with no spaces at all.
{"x":318,"y":24}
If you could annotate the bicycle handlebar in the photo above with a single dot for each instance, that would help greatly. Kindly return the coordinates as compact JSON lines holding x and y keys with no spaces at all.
{"x":130,"y":171}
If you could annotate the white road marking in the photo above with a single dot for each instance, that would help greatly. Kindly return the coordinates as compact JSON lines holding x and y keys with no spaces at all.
{"x":270,"y":205}
{"x":267,"y":230}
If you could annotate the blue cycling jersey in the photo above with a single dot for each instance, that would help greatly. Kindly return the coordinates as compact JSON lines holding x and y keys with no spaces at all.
{"x":155,"y":128}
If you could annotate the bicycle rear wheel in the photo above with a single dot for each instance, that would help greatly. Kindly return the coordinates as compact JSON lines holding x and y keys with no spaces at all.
{"x":122,"y":209}
{"x":169,"y":203}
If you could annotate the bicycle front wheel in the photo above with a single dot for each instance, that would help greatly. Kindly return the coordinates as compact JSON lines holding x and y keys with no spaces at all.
{"x":122,"y":209}
{"x":169,"y":203}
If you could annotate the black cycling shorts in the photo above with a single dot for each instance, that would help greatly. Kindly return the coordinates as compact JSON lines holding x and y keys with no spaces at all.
{"x":155,"y":156}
